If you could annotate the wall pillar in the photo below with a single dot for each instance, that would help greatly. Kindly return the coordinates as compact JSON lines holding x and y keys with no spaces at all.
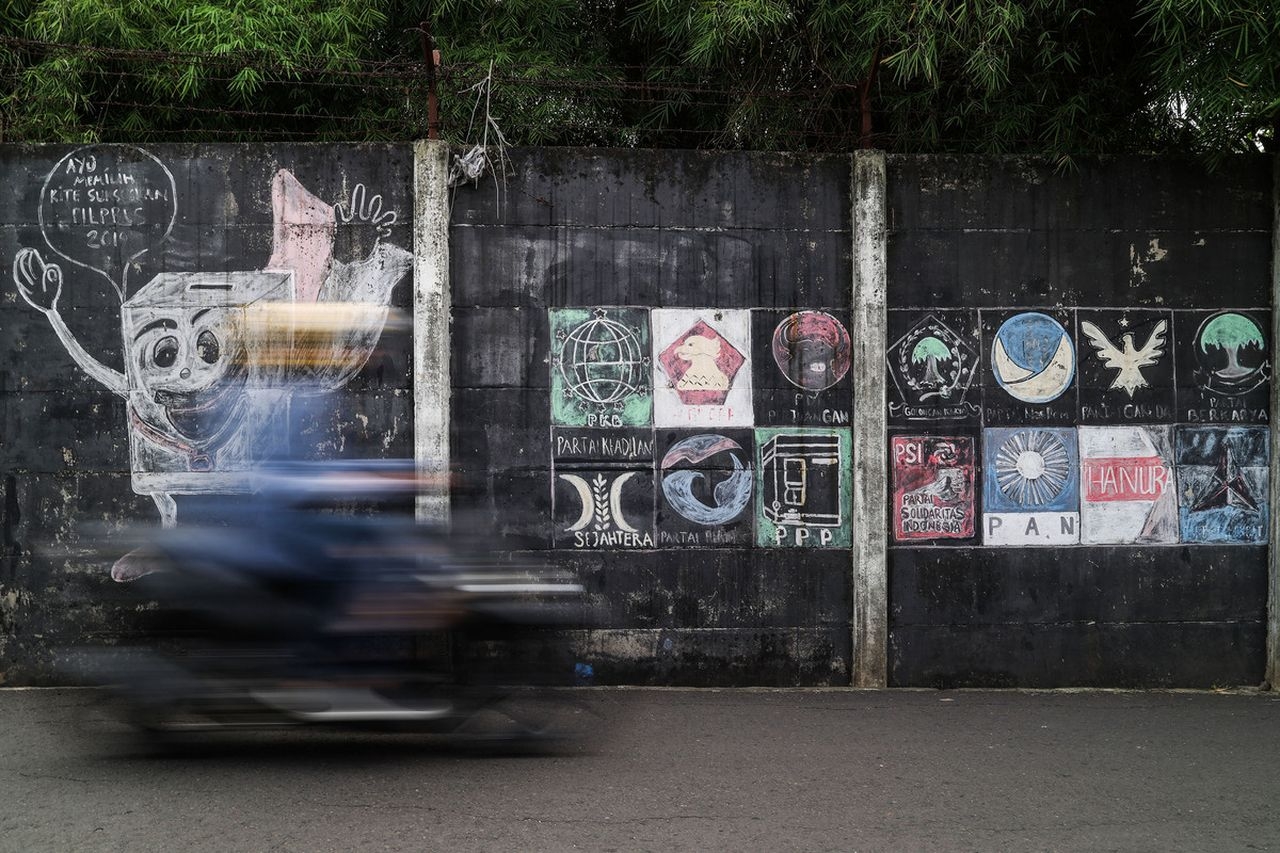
{"x":1273,"y":550}
{"x":431,"y":316}
{"x":870,"y":424}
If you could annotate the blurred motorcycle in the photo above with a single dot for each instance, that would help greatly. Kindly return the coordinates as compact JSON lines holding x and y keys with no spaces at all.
{"x":282,"y":613}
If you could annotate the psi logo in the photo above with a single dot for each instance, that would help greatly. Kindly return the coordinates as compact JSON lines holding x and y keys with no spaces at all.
{"x":932,"y":487}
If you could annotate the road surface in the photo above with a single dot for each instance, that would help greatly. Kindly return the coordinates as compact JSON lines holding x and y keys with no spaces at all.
{"x":681,"y":770}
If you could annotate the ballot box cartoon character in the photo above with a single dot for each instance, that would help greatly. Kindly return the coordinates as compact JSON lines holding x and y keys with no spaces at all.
{"x":204,"y":409}
{"x":203,"y":404}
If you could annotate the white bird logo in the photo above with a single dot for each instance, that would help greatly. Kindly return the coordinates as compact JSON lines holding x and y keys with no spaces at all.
{"x":1128,"y":361}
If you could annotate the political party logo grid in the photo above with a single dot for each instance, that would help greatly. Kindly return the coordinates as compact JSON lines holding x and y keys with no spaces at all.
{"x":722,"y":428}
{"x":654,"y":416}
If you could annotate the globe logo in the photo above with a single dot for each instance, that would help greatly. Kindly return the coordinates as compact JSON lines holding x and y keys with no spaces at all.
{"x":602,"y":362}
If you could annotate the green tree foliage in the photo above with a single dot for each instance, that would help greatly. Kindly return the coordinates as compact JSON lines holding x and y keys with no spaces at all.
{"x":991,"y":76}
{"x":203,"y":69}
{"x":1216,"y":69}
{"x":930,"y":348}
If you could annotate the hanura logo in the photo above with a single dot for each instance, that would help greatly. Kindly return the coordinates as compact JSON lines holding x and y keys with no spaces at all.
{"x":1125,"y":478}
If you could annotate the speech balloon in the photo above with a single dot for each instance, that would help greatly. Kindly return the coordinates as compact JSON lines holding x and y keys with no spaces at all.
{"x":103,"y":206}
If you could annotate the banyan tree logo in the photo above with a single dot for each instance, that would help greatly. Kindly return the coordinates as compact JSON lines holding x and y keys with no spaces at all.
{"x":932,"y":367}
{"x":600,"y":367}
{"x":1231,"y":353}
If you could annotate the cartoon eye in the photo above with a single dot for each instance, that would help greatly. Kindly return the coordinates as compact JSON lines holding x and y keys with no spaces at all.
{"x":207,"y":347}
{"x":165,"y":352}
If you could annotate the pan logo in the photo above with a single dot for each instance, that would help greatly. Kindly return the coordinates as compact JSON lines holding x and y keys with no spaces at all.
{"x":1031,"y":494}
{"x":1033,"y":357}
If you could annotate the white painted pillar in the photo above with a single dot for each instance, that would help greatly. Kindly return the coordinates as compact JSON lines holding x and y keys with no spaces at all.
{"x":431,"y":315}
{"x":1273,"y":549}
{"x":870,"y":424}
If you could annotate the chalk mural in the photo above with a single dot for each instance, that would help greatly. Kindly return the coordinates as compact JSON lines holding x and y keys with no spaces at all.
{"x":803,"y":491}
{"x":600,"y":367}
{"x":706,"y":481}
{"x":652,"y":435}
{"x":204,"y":405}
{"x":932,"y":366}
{"x":1231,"y":354}
{"x":932,"y":487}
{"x":1031,"y":487}
{"x":804,"y":380}
{"x":1128,"y":494}
{"x":1222,"y":475}
{"x":719,"y":428}
{"x":1126,"y":372}
{"x":1225,"y":364}
{"x":701,"y":375}
{"x":1032,"y":357}
{"x":604,"y":508}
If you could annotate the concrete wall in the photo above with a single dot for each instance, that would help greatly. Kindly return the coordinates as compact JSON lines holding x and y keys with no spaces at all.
{"x":1147,"y":578}
{"x":673,"y":371}
{"x":1112,"y":563}
{"x":585,"y":247}
{"x":140,"y":254}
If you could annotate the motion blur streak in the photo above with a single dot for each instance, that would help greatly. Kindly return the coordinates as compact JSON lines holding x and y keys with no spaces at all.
{"x":316,"y":598}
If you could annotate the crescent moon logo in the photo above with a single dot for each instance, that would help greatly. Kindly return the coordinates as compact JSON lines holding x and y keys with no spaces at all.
{"x":610,"y":511}
{"x":615,"y":502}
{"x":1033,"y":358}
{"x":588,"y":505}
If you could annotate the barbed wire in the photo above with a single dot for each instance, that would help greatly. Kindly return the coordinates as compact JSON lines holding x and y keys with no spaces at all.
{"x":124,"y":96}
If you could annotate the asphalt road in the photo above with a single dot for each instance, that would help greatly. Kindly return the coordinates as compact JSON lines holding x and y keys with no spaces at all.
{"x":681,"y":770}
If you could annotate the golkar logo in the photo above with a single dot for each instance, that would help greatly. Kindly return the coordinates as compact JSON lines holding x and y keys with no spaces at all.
{"x":932,"y":368}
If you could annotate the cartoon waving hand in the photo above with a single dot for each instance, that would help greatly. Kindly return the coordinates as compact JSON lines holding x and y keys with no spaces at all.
{"x":39,"y":283}
{"x":367,"y":208}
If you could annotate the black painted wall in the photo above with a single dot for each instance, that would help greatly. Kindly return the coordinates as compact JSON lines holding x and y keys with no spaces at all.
{"x":1124,"y":234}
{"x":651,"y":230}
{"x":65,"y":476}
{"x":971,"y":243}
